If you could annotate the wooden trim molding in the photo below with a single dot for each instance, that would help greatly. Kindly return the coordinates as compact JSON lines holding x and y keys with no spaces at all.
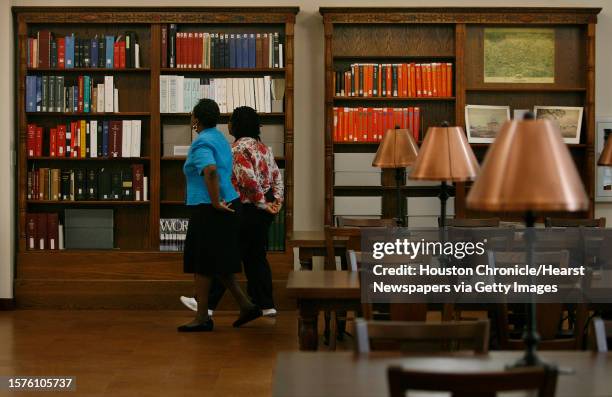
{"x":7,"y":304}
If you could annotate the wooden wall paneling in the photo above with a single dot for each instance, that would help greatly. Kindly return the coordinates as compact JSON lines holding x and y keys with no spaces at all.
{"x":22,"y":170}
{"x":589,"y":115}
{"x":460,"y":33}
{"x":155,"y":138}
{"x":329,"y":104}
{"x":289,"y":122}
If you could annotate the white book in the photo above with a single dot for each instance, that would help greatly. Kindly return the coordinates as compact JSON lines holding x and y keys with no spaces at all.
{"x":280,"y":56}
{"x":163,"y":94}
{"x":229,"y":95}
{"x":100,"y":104}
{"x":93,"y":139}
{"x":242,"y":91}
{"x":261,"y":107}
{"x":251,"y":92}
{"x":186,"y":95}
{"x":109,"y":92}
{"x":116,"y":100}
{"x":145,"y":188}
{"x":172,"y":94}
{"x":271,"y":49}
{"x":60,"y":236}
{"x":137,"y":55}
{"x":180,"y":94}
{"x":196,"y":92}
{"x":236,"y":93}
{"x":267,"y":94}
{"x":126,"y":138}
{"x":136,"y":137}
{"x":223,"y":95}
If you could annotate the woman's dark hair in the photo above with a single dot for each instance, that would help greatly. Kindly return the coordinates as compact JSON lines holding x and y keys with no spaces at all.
{"x":207,"y":113}
{"x":245,"y":123}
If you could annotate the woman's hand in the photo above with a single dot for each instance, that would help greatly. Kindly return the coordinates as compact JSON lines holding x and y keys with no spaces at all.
{"x":273,"y":208}
{"x":223,"y":206}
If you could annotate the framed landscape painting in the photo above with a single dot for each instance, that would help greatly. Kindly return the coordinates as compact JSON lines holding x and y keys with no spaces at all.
{"x":569,"y":120}
{"x":483,"y":123}
{"x":519,"y":55}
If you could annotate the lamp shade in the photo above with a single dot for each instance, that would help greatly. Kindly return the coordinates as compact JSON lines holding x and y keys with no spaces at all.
{"x":606,"y":155}
{"x":396,"y":150}
{"x":445,"y":155}
{"x":528,"y":168}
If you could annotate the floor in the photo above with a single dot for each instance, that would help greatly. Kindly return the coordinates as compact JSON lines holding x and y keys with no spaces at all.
{"x":139,"y":353}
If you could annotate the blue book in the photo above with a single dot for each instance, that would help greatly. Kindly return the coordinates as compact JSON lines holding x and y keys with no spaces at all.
{"x":105,"y":139}
{"x":94,"y":52}
{"x":244,"y":51}
{"x":110,"y":46}
{"x":75,"y":95}
{"x":38,"y":93}
{"x":69,"y":56}
{"x":252,"y":51}
{"x":30,"y":93}
{"x":232,"y":53}
{"x":86,"y":93}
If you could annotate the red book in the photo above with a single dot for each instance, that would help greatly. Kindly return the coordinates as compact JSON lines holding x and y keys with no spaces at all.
{"x":138,"y":181}
{"x":192,"y":51}
{"x":53,"y":142}
{"x":74,"y":136}
{"x":351,"y":125}
{"x":400,"y":80}
{"x":41,"y":232}
{"x":363,"y":133}
{"x":418,"y":79}
{"x":31,"y":140}
{"x":52,"y":231}
{"x":434,"y":82}
{"x":428,"y":88}
{"x":449,"y":79}
{"x":369,"y":124}
{"x":44,"y":49}
{"x":411,"y":123}
{"x":405,"y":79}
{"x":39,"y":142}
{"x":31,"y":231}
{"x":417,"y":122}
{"x":412,"y":87}
{"x":116,"y":56}
{"x":200,"y":52}
{"x":122,"y":54}
{"x":178,"y":49}
{"x":405,"y":123}
{"x":81,"y":92}
{"x":61,"y":140}
{"x":164,"y":46}
{"x":389,"y":80}
{"x":444,"y":93}
{"x":61,"y":53}
{"x":114,"y":139}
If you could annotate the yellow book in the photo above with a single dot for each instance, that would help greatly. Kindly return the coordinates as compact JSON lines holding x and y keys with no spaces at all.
{"x":82,"y":140}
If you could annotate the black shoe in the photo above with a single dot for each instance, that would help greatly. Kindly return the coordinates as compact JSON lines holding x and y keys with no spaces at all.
{"x":197,"y":327}
{"x":248,"y":315}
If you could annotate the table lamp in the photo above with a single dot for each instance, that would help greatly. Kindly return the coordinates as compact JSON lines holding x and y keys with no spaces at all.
{"x":397,"y":150}
{"x":605,"y":159}
{"x":528,"y":168}
{"x":445,"y":156}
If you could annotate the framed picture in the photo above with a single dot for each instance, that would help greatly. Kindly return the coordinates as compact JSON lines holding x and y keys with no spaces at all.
{"x":568,"y":118}
{"x":482,"y":123}
{"x":603,"y":175}
{"x":519,"y":55}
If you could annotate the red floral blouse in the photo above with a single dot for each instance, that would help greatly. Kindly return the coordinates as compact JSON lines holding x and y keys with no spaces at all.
{"x":255,"y":172}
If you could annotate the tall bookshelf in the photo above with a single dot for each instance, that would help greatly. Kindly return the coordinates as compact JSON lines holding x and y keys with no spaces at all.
{"x":455,"y":35}
{"x":136,"y":264}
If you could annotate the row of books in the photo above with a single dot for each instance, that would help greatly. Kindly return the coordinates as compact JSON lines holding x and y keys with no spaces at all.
{"x":46,"y":51}
{"x":86,"y":139}
{"x":276,"y":234}
{"x":44,"y":231}
{"x":172,"y":233}
{"x":206,"y":50}
{"x":179,"y":94}
{"x":55,"y":184}
{"x":370,"y":124}
{"x":52,"y":94}
{"x":395,"y":80}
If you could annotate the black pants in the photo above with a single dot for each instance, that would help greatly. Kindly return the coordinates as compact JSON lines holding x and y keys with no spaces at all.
{"x":254,"y":226}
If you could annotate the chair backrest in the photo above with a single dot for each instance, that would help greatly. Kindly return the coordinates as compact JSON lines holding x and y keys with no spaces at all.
{"x":566,"y":222}
{"x":351,"y":237}
{"x":601,"y":331}
{"x":450,"y":335}
{"x":364,"y":222}
{"x":488,"y":384}
{"x":467,"y":222}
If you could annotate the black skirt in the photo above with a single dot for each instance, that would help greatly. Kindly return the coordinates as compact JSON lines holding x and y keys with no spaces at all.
{"x":212,"y":241}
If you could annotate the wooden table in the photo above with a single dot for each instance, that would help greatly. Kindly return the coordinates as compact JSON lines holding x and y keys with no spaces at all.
{"x":335,"y":374}
{"x":317,"y":291}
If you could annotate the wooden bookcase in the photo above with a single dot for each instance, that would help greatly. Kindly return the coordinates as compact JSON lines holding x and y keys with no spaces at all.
{"x":136,"y":273}
{"x":394,"y":35}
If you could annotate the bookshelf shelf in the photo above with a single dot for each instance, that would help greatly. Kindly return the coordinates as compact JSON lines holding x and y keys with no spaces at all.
{"x":223,"y":71}
{"x":105,"y":159}
{"x":263,"y":115}
{"x":88,"y":202}
{"x":89,"y":114}
{"x":393,"y":57}
{"x":88,"y":70}
{"x":391,"y":98}
{"x":538,"y":88}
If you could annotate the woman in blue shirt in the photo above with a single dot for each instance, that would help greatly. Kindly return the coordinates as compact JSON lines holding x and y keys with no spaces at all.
{"x":212,"y":246}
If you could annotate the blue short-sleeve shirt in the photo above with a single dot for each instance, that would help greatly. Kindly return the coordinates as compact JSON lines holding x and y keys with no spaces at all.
{"x":209,"y":148}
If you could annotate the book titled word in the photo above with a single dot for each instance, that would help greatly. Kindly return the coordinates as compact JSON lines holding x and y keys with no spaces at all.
{"x":86,"y":95}
{"x":86,"y":139}
{"x":44,"y":231}
{"x":54,"y":184}
{"x":407,"y":80}
{"x":179,"y":94}
{"x":370,"y":124}
{"x":203,"y":50}
{"x":172,"y":234}
{"x":67,"y":52}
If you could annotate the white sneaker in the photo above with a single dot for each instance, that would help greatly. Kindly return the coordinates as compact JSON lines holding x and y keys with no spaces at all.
{"x":269,"y":312}
{"x":192,"y":304}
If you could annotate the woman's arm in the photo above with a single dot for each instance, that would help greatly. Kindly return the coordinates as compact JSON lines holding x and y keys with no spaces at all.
{"x":211,"y":180}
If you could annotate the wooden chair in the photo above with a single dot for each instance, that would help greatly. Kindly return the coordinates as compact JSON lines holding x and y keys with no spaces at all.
{"x":467,"y":222}
{"x":549,"y":315}
{"x":567,"y":222}
{"x":486,"y":384}
{"x":451,"y":335}
{"x":601,"y":330}
{"x":361,"y":222}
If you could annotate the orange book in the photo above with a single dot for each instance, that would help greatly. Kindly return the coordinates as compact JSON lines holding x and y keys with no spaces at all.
{"x":434,"y":74}
{"x":335,"y":125}
{"x":428,"y":78}
{"x":411,"y":81}
{"x":364,"y":124}
{"x":418,"y":80}
{"x":380,"y":77}
{"x":389,"y":80}
{"x":417,"y":123}
{"x":370,"y":80}
{"x":400,"y":79}
{"x":449,"y":79}
{"x":444,"y":93}
{"x":406,"y":79}
{"x":441,"y":88}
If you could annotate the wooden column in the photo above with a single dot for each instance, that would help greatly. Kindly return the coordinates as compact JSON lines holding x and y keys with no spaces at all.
{"x":589,"y":112}
{"x":289,"y":112}
{"x":155,"y":138}
{"x":460,"y":190}
{"x":328,"y":139}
